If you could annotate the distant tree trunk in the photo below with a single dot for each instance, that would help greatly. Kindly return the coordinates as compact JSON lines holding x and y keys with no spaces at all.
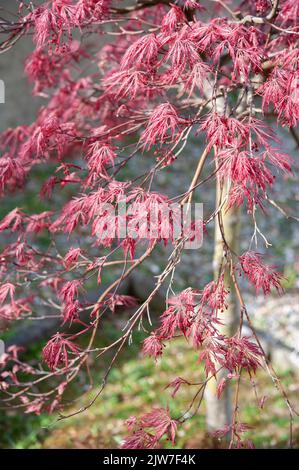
{"x":219,"y":411}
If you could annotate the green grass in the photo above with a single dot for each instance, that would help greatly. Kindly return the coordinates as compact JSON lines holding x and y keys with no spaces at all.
{"x":23,"y":432}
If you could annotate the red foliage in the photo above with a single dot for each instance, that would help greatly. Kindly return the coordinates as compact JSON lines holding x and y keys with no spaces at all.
{"x":56,"y":352}
{"x":259,"y":274}
{"x":162,"y":73}
{"x":149,"y":430}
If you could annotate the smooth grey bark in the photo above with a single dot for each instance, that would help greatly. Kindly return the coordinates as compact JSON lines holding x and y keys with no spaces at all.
{"x":219,"y":411}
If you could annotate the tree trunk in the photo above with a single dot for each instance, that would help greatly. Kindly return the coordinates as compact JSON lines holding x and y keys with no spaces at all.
{"x":219,"y":411}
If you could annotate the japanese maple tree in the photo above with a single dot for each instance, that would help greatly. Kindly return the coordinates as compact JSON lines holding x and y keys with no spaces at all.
{"x":124,"y":81}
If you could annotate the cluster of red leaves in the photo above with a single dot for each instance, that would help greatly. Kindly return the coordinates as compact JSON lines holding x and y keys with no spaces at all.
{"x":56,"y":352}
{"x":196,"y":316}
{"x":148,"y":430}
{"x":262,"y":276}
